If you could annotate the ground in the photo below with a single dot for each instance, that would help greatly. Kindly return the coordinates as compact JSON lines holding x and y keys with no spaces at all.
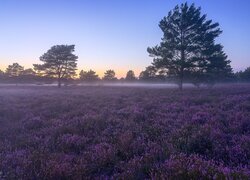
{"x":124,"y":132}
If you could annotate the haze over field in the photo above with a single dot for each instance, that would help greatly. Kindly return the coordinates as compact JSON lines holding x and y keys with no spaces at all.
{"x":124,"y":89}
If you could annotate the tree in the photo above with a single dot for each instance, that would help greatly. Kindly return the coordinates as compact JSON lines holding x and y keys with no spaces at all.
{"x":14,"y":70}
{"x":89,"y":76}
{"x":109,"y":75}
{"x":244,"y":75}
{"x":58,"y":62}
{"x":28,"y":75}
{"x":2,"y":75}
{"x":149,"y":74}
{"x":28,"y":72}
{"x":188,"y":45}
{"x":130,"y":76}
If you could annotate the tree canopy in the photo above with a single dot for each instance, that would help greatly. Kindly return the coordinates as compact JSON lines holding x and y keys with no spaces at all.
{"x":14,"y":70}
{"x":109,"y":75}
{"x":188,"y":47}
{"x":2,"y":75}
{"x":130,"y":76}
{"x":148,"y":74}
{"x":244,"y":75}
{"x":59,"y":61}
{"x":89,"y":76}
{"x":28,"y":72}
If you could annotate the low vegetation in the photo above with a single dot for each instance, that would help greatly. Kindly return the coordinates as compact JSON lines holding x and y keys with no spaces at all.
{"x":127,"y":133}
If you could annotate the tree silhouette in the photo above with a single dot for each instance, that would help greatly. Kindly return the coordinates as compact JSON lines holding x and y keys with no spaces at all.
{"x":59,"y":62}
{"x":244,"y":75}
{"x":28,"y":75}
{"x":14,"y":70}
{"x":149,"y":74}
{"x":188,"y":45}
{"x":89,"y":76}
{"x":130,"y":76}
{"x":109,"y":75}
{"x":28,"y":72}
{"x":2,"y":75}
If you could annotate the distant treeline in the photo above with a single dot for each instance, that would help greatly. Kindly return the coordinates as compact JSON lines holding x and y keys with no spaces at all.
{"x":16,"y":73}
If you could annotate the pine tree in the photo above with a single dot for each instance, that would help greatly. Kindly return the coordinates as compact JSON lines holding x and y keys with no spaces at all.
{"x":130,"y":76}
{"x":149,"y":74}
{"x":14,"y":70}
{"x":188,"y":47}
{"x":59,"y":62}
{"x":109,"y":75}
{"x":88,"y":76}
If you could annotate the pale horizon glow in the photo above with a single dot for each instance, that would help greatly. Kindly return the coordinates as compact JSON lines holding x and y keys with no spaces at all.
{"x":111,"y":34}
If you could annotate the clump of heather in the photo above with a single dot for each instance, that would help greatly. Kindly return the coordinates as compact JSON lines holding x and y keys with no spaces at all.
{"x":182,"y":166}
{"x":124,"y":133}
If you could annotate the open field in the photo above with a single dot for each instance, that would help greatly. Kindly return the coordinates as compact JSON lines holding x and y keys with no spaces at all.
{"x":124,"y":132}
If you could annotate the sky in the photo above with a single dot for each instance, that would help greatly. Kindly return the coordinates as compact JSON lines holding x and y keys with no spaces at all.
{"x":110,"y":34}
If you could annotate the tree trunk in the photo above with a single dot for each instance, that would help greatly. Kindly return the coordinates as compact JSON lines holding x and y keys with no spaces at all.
{"x":182,"y":60}
{"x":181,"y":80}
{"x":59,"y":82}
{"x":182,"y":69}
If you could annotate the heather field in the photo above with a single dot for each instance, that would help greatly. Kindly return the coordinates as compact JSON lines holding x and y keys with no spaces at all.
{"x":125,"y":133}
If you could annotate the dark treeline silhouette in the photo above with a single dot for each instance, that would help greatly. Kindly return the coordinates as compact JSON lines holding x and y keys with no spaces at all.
{"x":88,"y":76}
{"x":187,"y":53}
{"x":16,"y":74}
{"x":243,"y":76}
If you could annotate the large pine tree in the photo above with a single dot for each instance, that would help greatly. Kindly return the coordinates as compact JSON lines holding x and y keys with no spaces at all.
{"x":188,"y":47}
